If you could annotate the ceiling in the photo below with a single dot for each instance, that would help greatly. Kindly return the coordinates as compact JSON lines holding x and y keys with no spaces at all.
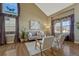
{"x":51,"y":8}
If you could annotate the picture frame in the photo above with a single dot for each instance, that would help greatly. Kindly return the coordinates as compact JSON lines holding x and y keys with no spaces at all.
{"x":35,"y":25}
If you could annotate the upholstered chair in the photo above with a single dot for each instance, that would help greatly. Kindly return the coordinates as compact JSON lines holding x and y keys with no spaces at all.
{"x":45,"y":44}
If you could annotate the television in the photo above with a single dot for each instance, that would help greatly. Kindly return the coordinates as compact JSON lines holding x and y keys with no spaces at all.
{"x":10,"y":8}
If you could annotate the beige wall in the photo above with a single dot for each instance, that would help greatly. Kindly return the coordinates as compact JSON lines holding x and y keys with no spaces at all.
{"x":76,"y":31}
{"x":32,"y":12}
{"x":29,"y":11}
{"x":74,"y":9}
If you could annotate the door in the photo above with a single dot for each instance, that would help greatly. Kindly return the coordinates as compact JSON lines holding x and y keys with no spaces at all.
{"x":10,"y":29}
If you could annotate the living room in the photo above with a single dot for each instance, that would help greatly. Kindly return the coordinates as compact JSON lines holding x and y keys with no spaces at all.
{"x":37,"y":25}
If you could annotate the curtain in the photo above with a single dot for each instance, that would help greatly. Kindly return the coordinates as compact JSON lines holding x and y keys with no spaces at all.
{"x":72,"y":28}
{"x":52,"y":26}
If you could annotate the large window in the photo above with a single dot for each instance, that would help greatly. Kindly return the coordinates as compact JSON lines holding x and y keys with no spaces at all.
{"x":10,"y":24}
{"x":66,"y":26}
{"x":62,"y":26}
{"x":57,"y":27}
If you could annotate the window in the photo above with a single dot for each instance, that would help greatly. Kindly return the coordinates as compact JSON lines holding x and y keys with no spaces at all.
{"x":10,"y":24}
{"x":57,"y":27}
{"x":62,"y":26}
{"x":66,"y":26}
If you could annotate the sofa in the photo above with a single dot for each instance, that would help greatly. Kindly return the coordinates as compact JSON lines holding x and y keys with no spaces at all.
{"x":33,"y":33}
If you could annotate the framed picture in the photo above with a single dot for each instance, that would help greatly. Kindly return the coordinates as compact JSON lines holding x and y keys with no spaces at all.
{"x":35,"y":25}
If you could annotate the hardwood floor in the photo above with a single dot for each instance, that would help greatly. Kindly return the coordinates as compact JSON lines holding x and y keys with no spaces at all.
{"x":19,"y":49}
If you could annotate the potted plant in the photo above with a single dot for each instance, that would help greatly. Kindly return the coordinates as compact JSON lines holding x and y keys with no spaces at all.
{"x":26,"y":36}
{"x":23,"y":35}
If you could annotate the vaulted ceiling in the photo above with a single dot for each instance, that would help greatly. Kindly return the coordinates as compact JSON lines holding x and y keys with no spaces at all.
{"x":51,"y":8}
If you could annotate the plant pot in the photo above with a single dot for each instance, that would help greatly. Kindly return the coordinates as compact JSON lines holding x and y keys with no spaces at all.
{"x":22,"y":40}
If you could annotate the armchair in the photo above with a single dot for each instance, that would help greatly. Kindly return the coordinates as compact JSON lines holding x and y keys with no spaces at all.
{"x":59,"y":40}
{"x":45,"y":44}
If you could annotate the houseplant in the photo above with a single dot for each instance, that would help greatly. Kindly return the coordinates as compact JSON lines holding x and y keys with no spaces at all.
{"x":26,"y":36}
{"x":23,"y":35}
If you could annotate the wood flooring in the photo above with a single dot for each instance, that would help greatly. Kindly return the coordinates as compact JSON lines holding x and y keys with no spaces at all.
{"x":19,"y":49}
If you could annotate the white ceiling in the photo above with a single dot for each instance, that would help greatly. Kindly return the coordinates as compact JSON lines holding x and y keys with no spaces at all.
{"x":51,"y":8}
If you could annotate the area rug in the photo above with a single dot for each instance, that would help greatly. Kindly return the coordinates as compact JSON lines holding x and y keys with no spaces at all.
{"x":31,"y":48}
